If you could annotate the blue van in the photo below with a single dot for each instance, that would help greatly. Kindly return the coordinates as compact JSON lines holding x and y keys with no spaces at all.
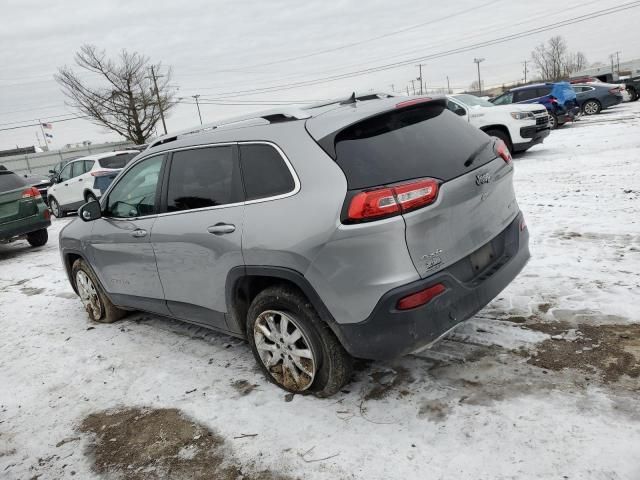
{"x":558,"y":98}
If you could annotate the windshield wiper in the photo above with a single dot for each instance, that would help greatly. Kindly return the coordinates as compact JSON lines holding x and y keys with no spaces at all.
{"x":476,"y":153}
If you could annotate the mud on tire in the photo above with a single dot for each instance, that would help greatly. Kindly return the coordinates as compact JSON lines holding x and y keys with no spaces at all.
{"x":333,"y":365}
{"x":101,"y":309}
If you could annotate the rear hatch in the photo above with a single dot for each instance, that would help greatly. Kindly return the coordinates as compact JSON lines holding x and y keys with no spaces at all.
{"x":473,"y":199}
{"x":12,"y":204}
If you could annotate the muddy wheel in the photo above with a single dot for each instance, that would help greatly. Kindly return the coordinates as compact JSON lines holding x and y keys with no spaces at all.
{"x":295,"y":349}
{"x":56,"y":209}
{"x":38,"y":238}
{"x":95,"y":302}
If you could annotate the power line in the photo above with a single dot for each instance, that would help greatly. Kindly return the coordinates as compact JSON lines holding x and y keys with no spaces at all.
{"x":495,"y":41}
{"x":36,"y":124}
{"x":360,"y":42}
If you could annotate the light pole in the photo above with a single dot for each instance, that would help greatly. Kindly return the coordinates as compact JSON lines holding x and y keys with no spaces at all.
{"x":198,"y":105}
{"x":477,"y":62}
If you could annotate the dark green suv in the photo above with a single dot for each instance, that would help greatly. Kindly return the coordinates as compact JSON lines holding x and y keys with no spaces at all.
{"x":23,"y":213}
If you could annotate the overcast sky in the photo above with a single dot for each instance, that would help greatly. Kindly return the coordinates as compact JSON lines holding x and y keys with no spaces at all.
{"x":217,"y":48}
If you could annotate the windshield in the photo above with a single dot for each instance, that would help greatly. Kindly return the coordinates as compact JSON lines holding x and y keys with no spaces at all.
{"x":473,"y":101}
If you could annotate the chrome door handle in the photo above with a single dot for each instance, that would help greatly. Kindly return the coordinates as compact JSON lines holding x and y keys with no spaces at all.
{"x":221,"y":228}
{"x":139,"y":233}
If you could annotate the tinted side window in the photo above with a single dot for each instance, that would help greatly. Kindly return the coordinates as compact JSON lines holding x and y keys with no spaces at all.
{"x":135,"y":194}
{"x":542,"y":91}
{"x":10,"y":181}
{"x":203,"y":177}
{"x":524,"y":95}
{"x":264,"y":171}
{"x":77,"y":168}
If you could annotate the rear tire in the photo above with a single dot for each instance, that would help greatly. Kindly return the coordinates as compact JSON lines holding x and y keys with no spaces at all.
{"x":633,"y":94}
{"x":95,"y":301}
{"x":502,"y":136}
{"x":591,"y":107}
{"x":553,"y":121}
{"x":56,"y":210}
{"x":280,"y":323}
{"x":38,"y":238}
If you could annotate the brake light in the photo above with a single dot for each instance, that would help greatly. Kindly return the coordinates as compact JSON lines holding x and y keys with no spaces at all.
{"x":101,"y":173}
{"x":501,"y":149}
{"x":413,"y":101}
{"x":420,"y":298}
{"x":553,"y":100}
{"x":31,"y":192}
{"x":388,"y":201}
{"x":614,"y":91}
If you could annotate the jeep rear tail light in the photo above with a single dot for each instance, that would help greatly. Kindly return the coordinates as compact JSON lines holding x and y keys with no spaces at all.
{"x":501,"y":150}
{"x":31,"y":192}
{"x":420,"y":298}
{"x":390,"y":201}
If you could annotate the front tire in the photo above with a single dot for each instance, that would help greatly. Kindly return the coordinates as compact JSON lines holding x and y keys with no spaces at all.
{"x":95,"y":301}
{"x":592,"y":107}
{"x":56,"y":210}
{"x":294,"y":348}
{"x":90,"y":197}
{"x":38,"y":238}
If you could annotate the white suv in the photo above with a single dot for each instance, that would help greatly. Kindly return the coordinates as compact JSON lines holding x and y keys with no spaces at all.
{"x":85,"y":179}
{"x":520,"y":126}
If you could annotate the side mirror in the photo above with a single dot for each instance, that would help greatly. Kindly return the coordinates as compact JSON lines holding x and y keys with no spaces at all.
{"x":460,"y":111}
{"x":90,"y":211}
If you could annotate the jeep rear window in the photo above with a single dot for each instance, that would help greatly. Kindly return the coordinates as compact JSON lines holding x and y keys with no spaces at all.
{"x":10,"y":181}
{"x":117,"y":161}
{"x":421,"y":141}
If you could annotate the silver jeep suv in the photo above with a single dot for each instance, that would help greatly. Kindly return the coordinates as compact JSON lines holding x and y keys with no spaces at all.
{"x":362,"y":228}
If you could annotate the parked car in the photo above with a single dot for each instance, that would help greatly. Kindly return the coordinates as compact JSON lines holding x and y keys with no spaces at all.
{"x":360,"y":229}
{"x":41,"y":182}
{"x":23,"y":214}
{"x":57,"y":168}
{"x":85,"y":179}
{"x":595,"y":97}
{"x":558,"y":98}
{"x":520,"y":127}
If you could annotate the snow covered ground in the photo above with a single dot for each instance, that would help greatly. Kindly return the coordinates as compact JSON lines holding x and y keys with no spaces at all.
{"x":542,"y":384}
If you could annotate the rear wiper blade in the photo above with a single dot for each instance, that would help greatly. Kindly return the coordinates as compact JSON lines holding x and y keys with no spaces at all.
{"x":476,"y":153}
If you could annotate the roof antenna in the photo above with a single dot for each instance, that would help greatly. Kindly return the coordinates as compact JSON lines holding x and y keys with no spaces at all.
{"x":351,"y":99}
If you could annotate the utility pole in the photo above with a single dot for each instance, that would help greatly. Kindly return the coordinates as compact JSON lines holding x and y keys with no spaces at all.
{"x":477,"y":62}
{"x":612,"y":69}
{"x":618,"y":60}
{"x":198,"y":105}
{"x":407,"y":90}
{"x":525,"y":70}
{"x":420,"y":65}
{"x":413,"y":85}
{"x":448,"y":86}
{"x":155,"y":85}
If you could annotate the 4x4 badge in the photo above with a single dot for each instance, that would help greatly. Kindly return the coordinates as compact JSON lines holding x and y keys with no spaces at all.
{"x":483,"y":178}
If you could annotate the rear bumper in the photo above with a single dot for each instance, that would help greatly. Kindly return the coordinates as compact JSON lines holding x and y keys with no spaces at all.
{"x":22,"y":228}
{"x":390,"y":333}
{"x":535,"y":134}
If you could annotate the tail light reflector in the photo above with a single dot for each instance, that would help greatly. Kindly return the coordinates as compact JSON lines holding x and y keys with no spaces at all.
{"x":31,"y":192}
{"x":502,"y":150}
{"x":387,"y":201}
{"x":101,"y":173}
{"x":420,"y":298}
{"x":46,"y":214}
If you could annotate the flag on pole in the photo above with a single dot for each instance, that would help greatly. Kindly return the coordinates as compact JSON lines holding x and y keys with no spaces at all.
{"x":48,"y":135}
{"x":47,"y":126}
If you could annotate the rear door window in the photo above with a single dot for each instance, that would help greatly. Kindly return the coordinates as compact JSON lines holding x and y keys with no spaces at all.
{"x":203,"y":177}
{"x":524,"y":95}
{"x":117,"y":161}
{"x":421,"y":141}
{"x":10,"y":181}
{"x":77,"y":169}
{"x":264,"y":171}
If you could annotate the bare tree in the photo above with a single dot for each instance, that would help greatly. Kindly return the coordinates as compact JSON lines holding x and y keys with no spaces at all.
{"x":124,"y":97}
{"x":554,"y":61}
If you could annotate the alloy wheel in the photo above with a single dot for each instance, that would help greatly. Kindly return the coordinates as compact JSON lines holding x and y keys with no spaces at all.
{"x":55,"y":207}
{"x":591,"y":108}
{"x":285,"y":350}
{"x":88,"y":295}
